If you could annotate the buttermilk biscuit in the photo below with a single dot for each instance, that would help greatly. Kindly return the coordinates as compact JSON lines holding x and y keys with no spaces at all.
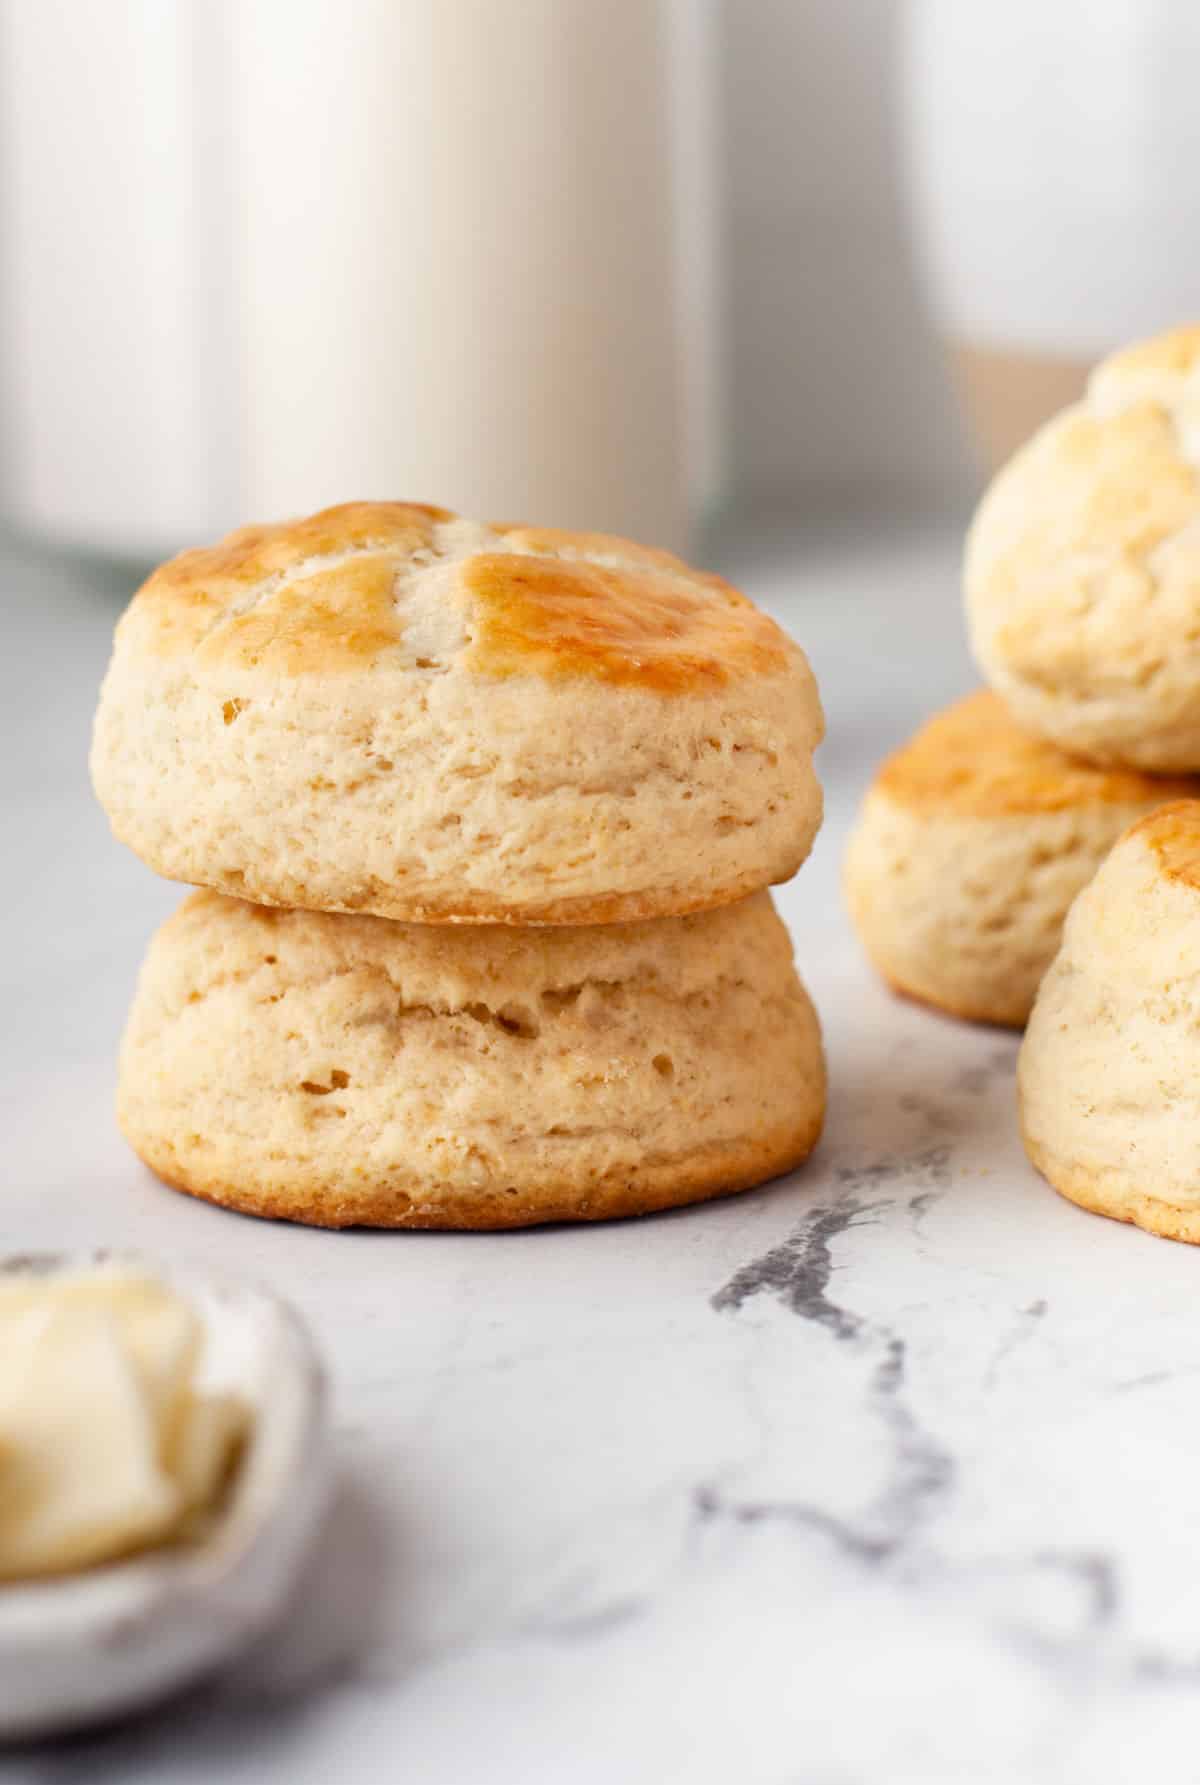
{"x":1083,"y":566}
{"x":345,"y":1070}
{"x":386,"y":708}
{"x":1109,"y":1070}
{"x":972,"y":842}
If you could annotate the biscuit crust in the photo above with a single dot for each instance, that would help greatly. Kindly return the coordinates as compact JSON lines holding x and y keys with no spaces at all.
{"x":346,"y":1071}
{"x":1083,"y":562}
{"x":972,"y":842}
{"x":386,"y":708}
{"x":1172,"y":834}
{"x":1111,"y":1194}
{"x":974,"y":761}
{"x":317,"y":594}
{"x":1109,"y":1068}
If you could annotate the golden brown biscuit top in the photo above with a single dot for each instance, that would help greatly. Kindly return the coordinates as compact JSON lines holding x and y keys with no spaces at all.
{"x":973,"y":761}
{"x":337,"y":591}
{"x":1172,"y":834}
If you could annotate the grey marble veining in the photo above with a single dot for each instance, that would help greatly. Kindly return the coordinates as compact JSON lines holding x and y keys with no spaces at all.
{"x":884,"y":1473}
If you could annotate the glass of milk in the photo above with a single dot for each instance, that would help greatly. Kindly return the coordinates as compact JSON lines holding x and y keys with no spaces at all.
{"x":265,"y":255}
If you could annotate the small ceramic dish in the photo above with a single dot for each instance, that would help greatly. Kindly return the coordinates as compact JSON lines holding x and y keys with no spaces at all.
{"x":82,"y":1648}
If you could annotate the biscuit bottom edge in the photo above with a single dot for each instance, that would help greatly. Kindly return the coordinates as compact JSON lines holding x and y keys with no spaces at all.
{"x":984,"y":1015}
{"x":377,"y":898}
{"x":1111,"y":1193}
{"x":716,"y":1169}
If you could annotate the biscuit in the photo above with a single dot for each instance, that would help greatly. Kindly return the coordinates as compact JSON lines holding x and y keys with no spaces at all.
{"x":353,"y":1070}
{"x":971,"y":844}
{"x":1083,"y":564}
{"x":385,"y":708}
{"x":1109,"y":1071}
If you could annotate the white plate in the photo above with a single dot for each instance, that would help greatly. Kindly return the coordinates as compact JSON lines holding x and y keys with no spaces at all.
{"x":84,"y":1647}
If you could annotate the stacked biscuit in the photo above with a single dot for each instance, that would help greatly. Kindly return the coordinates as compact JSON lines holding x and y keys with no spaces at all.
{"x":484,"y":816}
{"x":1083,"y":596}
{"x":977,"y":835}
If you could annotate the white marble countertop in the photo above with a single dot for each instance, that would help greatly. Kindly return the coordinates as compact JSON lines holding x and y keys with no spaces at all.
{"x":886,"y":1473}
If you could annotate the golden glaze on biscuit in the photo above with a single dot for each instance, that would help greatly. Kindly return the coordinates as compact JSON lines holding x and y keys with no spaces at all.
{"x":339,"y":618}
{"x":321,"y":595}
{"x":192,"y":594}
{"x":663,"y":629}
{"x":974,"y":761}
{"x":1172,"y":834}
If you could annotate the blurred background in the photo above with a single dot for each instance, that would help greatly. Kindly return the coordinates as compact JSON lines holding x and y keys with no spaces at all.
{"x":673,"y":267}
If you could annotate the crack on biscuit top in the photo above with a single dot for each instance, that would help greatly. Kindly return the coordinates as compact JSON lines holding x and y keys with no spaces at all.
{"x":421,"y":588}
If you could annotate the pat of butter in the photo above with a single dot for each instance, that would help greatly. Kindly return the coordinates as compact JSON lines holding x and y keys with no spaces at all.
{"x":107,"y":1445}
